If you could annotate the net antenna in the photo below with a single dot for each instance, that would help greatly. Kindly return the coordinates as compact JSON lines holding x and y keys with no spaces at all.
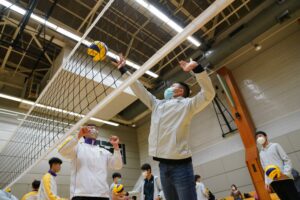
{"x":35,"y":133}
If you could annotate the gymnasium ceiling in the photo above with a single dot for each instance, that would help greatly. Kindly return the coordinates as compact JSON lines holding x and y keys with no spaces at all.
{"x":28,"y":49}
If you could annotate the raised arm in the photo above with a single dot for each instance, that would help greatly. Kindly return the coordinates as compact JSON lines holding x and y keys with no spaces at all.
{"x":68,"y":148}
{"x":138,"y":88}
{"x":115,"y":160}
{"x":207,"y":93}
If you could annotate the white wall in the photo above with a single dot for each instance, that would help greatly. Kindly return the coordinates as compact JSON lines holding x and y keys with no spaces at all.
{"x":130,"y":171}
{"x":269,"y":84}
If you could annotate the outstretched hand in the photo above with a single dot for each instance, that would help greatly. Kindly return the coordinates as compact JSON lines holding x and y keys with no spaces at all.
{"x":188,"y":66}
{"x":121,"y":62}
{"x":114,"y":140}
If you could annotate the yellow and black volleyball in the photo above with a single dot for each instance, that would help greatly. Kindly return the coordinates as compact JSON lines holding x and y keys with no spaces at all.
{"x":272,"y":171}
{"x":118,"y":188}
{"x":97,"y":50}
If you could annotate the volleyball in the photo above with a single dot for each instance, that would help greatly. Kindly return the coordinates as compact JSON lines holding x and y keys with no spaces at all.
{"x":272,"y":171}
{"x":97,"y":50}
{"x":118,"y":188}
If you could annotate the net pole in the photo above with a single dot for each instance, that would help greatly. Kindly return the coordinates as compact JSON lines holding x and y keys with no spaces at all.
{"x":61,"y":67}
{"x":197,"y":23}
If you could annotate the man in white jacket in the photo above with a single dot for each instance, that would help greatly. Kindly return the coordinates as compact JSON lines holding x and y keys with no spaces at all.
{"x":150,"y":188}
{"x":89,"y":164}
{"x":170,"y":128}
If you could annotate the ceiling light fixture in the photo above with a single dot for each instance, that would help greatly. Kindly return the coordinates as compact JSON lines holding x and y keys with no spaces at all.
{"x":67,"y":33}
{"x":167,"y":20}
{"x":257,"y":47}
{"x":5,"y":96}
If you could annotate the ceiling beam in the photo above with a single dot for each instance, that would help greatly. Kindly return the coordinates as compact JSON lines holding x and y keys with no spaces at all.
{"x":31,"y":30}
{"x":180,"y":8}
{"x":22,"y":68}
{"x":41,"y":47}
{"x":11,"y":85}
{"x":90,"y":15}
{"x":110,"y":34}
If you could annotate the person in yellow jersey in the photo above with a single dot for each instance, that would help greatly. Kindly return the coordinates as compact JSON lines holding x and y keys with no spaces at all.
{"x":48,"y":187}
{"x":33,"y":195}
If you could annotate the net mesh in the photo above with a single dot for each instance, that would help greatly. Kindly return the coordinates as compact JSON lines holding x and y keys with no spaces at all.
{"x":82,"y":83}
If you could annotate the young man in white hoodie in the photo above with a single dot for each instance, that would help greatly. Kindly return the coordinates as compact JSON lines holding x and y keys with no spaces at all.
{"x":89,"y":164}
{"x":170,"y":128}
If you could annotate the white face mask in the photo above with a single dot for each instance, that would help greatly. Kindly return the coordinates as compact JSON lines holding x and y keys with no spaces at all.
{"x":261,"y":140}
{"x":93,"y":130}
{"x":144,"y":174}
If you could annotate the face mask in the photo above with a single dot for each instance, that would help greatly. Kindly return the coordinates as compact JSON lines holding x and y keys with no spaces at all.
{"x":144,"y":174}
{"x":119,"y":181}
{"x":169,"y":92}
{"x":93,"y":131}
{"x":261,"y":140}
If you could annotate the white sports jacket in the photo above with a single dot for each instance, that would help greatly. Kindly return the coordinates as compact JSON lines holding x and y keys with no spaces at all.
{"x":48,"y":188}
{"x":170,"y":120}
{"x":33,"y":195}
{"x":89,"y":165}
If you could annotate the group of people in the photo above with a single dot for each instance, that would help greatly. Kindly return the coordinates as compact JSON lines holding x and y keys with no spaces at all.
{"x":168,"y":144}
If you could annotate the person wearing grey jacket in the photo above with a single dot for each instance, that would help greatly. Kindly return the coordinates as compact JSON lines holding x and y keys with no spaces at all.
{"x":150,"y":188}
{"x":170,"y":128}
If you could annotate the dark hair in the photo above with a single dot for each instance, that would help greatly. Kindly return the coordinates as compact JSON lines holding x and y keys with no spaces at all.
{"x":186,"y":89}
{"x":55,"y":160}
{"x":197,"y":177}
{"x":116,"y":174}
{"x":233,"y":185}
{"x":36,"y":184}
{"x":88,"y":124}
{"x":146,"y":167}
{"x":260,"y":132}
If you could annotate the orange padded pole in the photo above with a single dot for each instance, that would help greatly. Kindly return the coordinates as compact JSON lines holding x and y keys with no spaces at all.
{"x":246,"y":129}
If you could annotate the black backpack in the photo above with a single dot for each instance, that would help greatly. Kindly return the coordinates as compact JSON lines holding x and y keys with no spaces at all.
{"x":211,"y":196}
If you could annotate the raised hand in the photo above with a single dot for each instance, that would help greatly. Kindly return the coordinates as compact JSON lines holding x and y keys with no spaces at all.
{"x":84,"y":131}
{"x":114,"y":140}
{"x":121,"y":62}
{"x":188,"y":66}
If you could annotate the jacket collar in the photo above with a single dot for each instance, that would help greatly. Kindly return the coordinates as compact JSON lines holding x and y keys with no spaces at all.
{"x":265,"y":148}
{"x":90,"y":141}
{"x":52,"y":173}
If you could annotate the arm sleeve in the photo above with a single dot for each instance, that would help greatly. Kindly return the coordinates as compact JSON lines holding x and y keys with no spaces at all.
{"x":47,"y":185}
{"x":68,"y":148}
{"x":205,"y":96}
{"x":287,"y":163}
{"x":159,"y":188}
{"x":137,"y":192}
{"x":140,"y":91}
{"x":267,"y":180}
{"x":203,"y":190}
{"x":115,"y":160}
